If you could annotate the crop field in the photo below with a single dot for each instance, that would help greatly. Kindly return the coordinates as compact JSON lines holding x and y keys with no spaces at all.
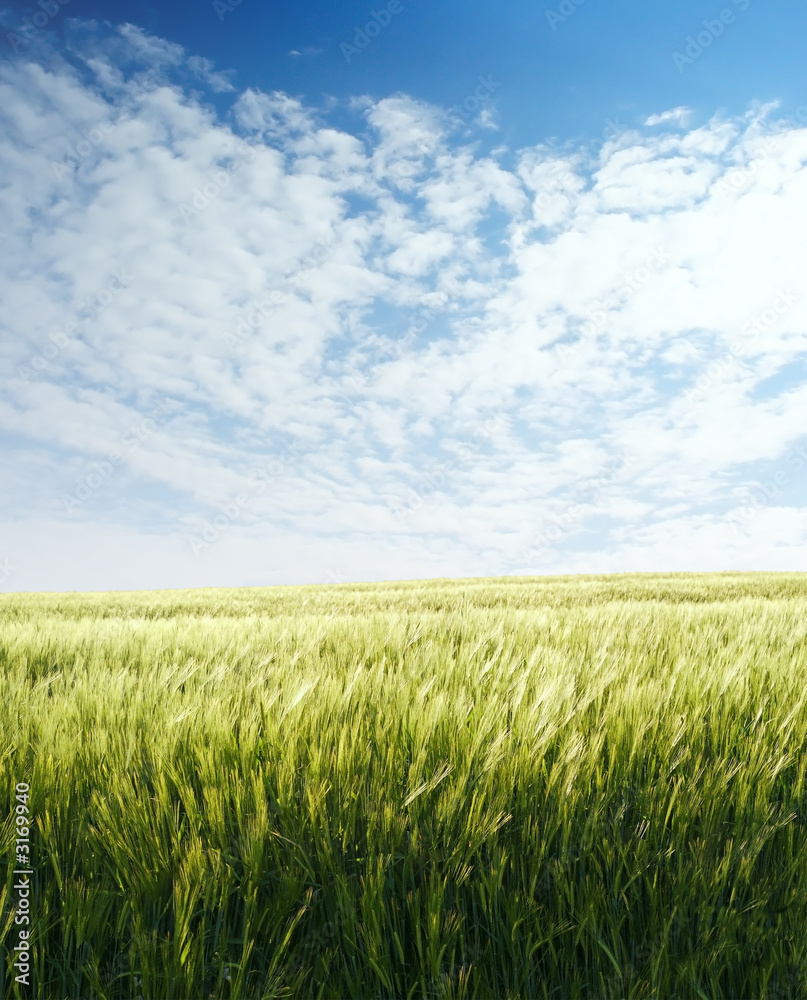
{"x":572,"y":787}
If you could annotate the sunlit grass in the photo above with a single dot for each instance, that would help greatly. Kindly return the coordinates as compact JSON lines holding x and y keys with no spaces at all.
{"x":567,"y":788}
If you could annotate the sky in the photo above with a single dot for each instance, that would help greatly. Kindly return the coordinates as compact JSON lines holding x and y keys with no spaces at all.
{"x":326,"y":293}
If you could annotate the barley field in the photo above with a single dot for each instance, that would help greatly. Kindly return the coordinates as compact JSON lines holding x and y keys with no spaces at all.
{"x":573,"y":787}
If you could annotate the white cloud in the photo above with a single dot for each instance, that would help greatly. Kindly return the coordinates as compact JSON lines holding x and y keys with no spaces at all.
{"x":428,"y":357}
{"x":275,"y":115}
{"x":487,"y":119}
{"x":681,"y":114}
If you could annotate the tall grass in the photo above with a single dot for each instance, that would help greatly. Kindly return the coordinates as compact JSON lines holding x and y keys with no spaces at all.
{"x":564,"y":788}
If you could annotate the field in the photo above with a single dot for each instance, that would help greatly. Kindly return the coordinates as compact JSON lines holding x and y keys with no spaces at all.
{"x":588,"y":787}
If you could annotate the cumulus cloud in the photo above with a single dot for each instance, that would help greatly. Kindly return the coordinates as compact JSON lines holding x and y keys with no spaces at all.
{"x":261,"y":348}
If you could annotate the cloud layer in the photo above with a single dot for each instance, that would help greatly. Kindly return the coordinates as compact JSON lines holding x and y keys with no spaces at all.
{"x":251,"y":346}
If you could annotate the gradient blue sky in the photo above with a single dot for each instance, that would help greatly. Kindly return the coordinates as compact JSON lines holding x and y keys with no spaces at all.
{"x":558,"y":326}
{"x":607,"y":61}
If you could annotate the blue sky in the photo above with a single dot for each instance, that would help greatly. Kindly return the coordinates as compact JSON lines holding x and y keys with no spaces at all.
{"x":562,"y":74}
{"x":321,"y":292}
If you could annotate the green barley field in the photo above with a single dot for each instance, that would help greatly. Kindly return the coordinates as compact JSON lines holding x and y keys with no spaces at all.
{"x":573,"y":787}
